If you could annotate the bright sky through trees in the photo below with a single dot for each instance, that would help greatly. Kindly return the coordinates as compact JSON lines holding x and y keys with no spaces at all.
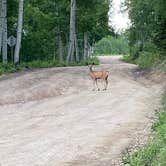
{"x":118,"y":19}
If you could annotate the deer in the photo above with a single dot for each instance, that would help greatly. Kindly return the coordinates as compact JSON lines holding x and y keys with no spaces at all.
{"x":96,"y":75}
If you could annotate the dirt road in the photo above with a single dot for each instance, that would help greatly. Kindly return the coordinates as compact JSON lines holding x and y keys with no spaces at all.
{"x":51,"y":117}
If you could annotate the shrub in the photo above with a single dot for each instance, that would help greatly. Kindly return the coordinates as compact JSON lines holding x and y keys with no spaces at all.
{"x":9,"y":68}
{"x":147,"y":59}
{"x":112,"y":45}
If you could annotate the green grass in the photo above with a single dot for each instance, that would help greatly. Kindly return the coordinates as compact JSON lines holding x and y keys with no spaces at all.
{"x":128,"y":59}
{"x":147,"y":59}
{"x":11,"y":68}
{"x":107,"y":54}
{"x":144,"y":61}
{"x":154,"y":153}
{"x":161,"y":65}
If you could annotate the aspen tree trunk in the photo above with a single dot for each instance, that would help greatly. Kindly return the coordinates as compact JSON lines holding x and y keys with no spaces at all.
{"x":19,"y":32}
{"x":60,"y":48}
{"x":89,"y":51}
{"x":77,"y":50}
{"x":72,"y":37}
{"x":1,"y":24}
{"x":4,"y":31}
{"x":85,"y":45}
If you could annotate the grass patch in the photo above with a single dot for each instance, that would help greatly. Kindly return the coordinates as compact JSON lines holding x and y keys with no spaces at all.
{"x":11,"y":68}
{"x":161,"y":65}
{"x":108,"y":54}
{"x":147,"y":59}
{"x":154,"y":153}
{"x":128,"y":59}
{"x":144,"y":61}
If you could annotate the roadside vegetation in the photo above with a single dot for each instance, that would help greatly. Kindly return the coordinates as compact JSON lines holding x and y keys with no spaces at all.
{"x":146,"y":35}
{"x":51,"y":33}
{"x":112,"y":45}
{"x":154,"y":153}
{"x":11,"y":68}
{"x":147,"y":44}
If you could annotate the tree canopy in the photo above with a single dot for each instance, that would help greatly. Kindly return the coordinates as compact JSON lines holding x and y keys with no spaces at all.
{"x":147,"y":34}
{"x":47,"y":23}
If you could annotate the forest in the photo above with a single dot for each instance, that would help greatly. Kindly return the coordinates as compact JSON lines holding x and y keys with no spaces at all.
{"x":67,"y":32}
{"x":147,"y":33}
{"x":60,"y":31}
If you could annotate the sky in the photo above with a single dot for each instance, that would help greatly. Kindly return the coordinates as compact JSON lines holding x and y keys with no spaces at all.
{"x":118,"y":19}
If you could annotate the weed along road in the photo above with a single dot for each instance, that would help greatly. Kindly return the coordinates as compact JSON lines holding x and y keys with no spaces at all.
{"x":51,"y":117}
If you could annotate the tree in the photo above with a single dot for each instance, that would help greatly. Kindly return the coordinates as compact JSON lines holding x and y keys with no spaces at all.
{"x":148,"y":24}
{"x":48,"y":33}
{"x":1,"y":24}
{"x":19,"y":32}
{"x":4,"y":31}
{"x":72,"y":50}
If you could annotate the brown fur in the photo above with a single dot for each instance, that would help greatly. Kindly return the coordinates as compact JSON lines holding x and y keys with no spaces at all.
{"x":95,"y":75}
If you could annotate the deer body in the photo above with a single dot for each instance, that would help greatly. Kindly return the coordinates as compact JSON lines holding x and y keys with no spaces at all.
{"x":96,"y":75}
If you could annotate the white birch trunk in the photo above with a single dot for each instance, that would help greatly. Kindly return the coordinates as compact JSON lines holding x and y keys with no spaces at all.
{"x":19,"y":32}
{"x":60,"y":48}
{"x":71,"y":48}
{"x":1,"y":25}
{"x":89,"y":50}
{"x":77,"y":49}
{"x":85,"y":45}
{"x":4,"y":31}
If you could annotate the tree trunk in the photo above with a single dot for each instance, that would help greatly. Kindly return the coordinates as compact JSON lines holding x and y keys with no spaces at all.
{"x":72,"y":37}
{"x":60,"y":48}
{"x":89,"y":51}
{"x":77,"y":49}
{"x":4,"y":31}
{"x":1,"y":25}
{"x":85,"y":45}
{"x":19,"y":32}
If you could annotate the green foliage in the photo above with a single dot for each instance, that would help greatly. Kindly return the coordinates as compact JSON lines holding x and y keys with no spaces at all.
{"x":112,"y":45}
{"x":11,"y":68}
{"x":147,"y":59}
{"x":128,"y":58}
{"x":38,"y":43}
{"x":104,"y":46}
{"x":161,"y":65}
{"x":44,"y":21}
{"x":154,"y":153}
{"x":148,"y":25}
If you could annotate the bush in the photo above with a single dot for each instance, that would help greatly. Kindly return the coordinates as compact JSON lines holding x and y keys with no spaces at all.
{"x":112,"y":45}
{"x":10,"y":68}
{"x":128,"y":58}
{"x":103,"y":47}
{"x":147,"y":59}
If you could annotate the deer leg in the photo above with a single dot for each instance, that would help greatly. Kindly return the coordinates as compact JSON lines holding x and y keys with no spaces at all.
{"x":93,"y":85}
{"x":106,"y":84}
{"x":97,"y":85}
